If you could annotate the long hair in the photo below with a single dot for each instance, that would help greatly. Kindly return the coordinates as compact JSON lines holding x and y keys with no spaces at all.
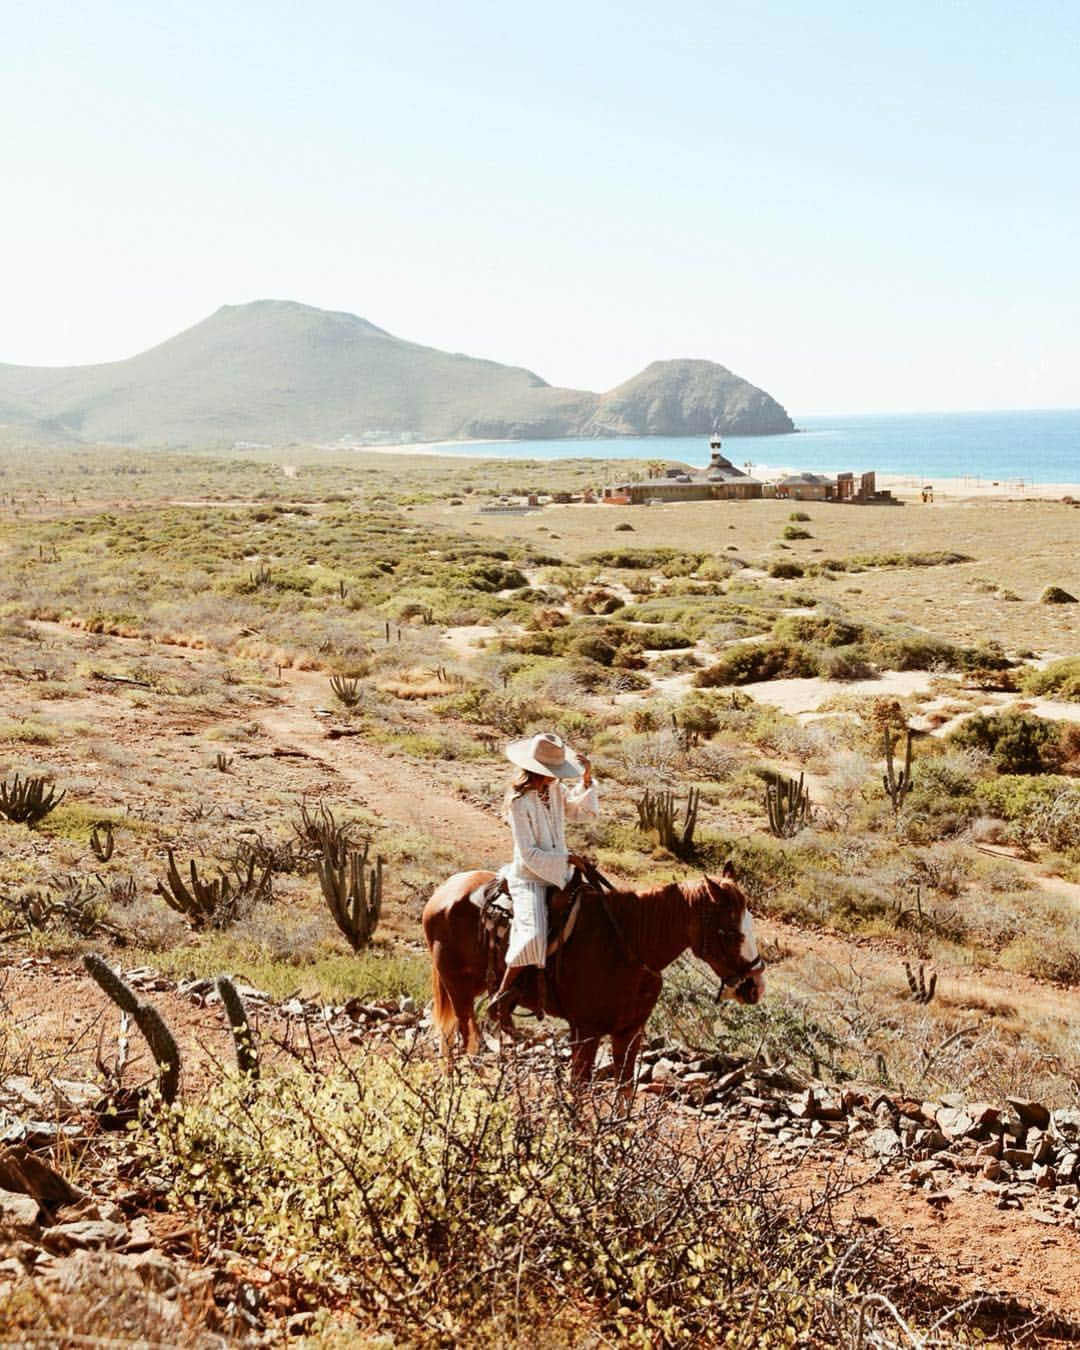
{"x":525,"y":780}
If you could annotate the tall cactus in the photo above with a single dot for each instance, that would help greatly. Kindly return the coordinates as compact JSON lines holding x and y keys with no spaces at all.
{"x":353,"y":894}
{"x":247,"y":1053}
{"x":150,"y":1022}
{"x":656,"y":812}
{"x":897,"y":784}
{"x":788,"y":805}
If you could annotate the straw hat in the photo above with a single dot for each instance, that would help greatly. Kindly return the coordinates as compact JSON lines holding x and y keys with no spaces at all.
{"x":543,"y":753}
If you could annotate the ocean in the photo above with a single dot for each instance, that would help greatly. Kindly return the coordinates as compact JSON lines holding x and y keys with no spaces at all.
{"x":1006,"y":447}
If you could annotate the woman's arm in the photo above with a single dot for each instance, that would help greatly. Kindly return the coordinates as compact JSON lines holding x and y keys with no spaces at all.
{"x":580,"y":801}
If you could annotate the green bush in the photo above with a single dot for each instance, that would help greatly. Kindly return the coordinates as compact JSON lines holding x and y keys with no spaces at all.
{"x":1059,"y":679}
{"x":1017,"y":742}
{"x":827,"y":630}
{"x":795,"y":532}
{"x":760,"y":661}
{"x":446,"y":1207}
{"x":786,"y":571}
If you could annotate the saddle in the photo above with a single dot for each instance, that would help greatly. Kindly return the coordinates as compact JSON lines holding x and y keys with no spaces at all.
{"x":496,"y":912}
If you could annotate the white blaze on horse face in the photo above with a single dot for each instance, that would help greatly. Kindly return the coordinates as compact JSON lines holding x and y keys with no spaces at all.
{"x":748,"y":951}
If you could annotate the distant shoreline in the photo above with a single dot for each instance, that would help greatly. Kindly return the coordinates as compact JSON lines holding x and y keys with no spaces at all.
{"x":902,"y":485}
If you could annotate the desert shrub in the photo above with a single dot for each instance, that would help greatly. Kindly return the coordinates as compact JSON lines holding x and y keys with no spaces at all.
{"x":1059,"y":679}
{"x":760,"y":661}
{"x":493,"y":576}
{"x":1016,"y":742}
{"x":943,"y":800}
{"x":1056,"y":595}
{"x":592,"y":647}
{"x":650,"y":559}
{"x":825,"y":629}
{"x":795,"y":532}
{"x":845,"y":663}
{"x":1044,"y":809}
{"x":786,"y":571}
{"x":448,"y":1208}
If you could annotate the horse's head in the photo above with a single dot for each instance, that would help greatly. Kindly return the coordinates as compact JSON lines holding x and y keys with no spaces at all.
{"x":723,"y":937}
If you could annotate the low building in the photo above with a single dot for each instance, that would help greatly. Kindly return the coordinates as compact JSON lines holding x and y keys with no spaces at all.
{"x":720,"y":481}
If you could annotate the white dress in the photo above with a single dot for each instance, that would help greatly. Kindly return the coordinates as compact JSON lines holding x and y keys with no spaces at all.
{"x":540,"y":861}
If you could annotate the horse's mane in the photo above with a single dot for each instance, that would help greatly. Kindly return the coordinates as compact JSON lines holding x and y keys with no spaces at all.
{"x":650,"y":913}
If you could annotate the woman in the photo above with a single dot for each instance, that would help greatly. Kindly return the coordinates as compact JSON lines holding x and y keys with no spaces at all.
{"x":537,"y":807}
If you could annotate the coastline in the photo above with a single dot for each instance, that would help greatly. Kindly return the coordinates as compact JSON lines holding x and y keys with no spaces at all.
{"x":904,"y":486}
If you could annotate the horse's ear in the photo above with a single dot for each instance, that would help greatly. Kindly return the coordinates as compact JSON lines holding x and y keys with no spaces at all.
{"x":729,"y":871}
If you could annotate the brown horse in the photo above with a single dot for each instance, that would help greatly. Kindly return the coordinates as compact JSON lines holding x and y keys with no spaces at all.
{"x":607,"y":979}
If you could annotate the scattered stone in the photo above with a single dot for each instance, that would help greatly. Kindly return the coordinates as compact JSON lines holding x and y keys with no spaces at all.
{"x":19,"y":1214}
{"x":885,"y":1143}
{"x":83,"y":1233}
{"x":1030,"y":1113}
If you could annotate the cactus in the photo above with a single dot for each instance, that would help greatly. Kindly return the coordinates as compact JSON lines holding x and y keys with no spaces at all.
{"x":26,"y":802}
{"x":897,"y":784}
{"x":223,"y":762}
{"x":261,"y":577}
{"x":150,"y":1022}
{"x":355,"y":898}
{"x":319,"y":831}
{"x":215,"y":903}
{"x":656,"y":813}
{"x":247,"y":1054}
{"x":921,"y":991}
{"x":102,"y":842}
{"x":347,"y":689}
{"x":788,"y":805}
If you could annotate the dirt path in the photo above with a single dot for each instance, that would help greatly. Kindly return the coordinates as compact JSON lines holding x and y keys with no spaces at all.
{"x":395,"y":788}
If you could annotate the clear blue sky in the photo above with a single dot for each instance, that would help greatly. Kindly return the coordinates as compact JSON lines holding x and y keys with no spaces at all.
{"x":859,"y":206}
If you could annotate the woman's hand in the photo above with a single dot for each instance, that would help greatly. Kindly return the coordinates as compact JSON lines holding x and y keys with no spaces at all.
{"x":576,"y":860}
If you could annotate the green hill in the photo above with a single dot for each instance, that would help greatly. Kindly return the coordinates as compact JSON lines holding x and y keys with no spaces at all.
{"x":278,"y":372}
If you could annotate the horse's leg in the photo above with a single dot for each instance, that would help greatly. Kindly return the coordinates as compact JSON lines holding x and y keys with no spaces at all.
{"x":464,"y":1001}
{"x":624,"y":1053}
{"x":582,"y":1055}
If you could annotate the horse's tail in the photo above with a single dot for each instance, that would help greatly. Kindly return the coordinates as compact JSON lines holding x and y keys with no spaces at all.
{"x":443,"y":1016}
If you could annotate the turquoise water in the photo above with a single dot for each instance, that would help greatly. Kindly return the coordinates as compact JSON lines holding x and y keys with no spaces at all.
{"x":1037,"y":447}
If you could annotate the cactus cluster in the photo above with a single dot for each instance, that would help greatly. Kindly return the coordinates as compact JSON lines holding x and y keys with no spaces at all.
{"x":346,"y":689}
{"x":26,"y":801}
{"x":353,"y":892}
{"x":656,"y":814}
{"x":788,"y":805}
{"x":215,"y":903}
{"x":102,"y":841}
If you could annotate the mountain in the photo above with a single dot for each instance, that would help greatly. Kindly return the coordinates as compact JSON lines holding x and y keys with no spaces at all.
{"x":275,"y":371}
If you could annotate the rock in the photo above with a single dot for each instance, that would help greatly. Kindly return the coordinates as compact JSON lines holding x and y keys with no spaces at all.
{"x":24,"y":1172}
{"x":139,"y":1237}
{"x":1067,"y":1124}
{"x":1030,"y":1113}
{"x":19,"y":1214}
{"x":1045,"y":1178}
{"x":884,"y":1143}
{"x":931,"y":1140}
{"x":991,"y":1169}
{"x":83,"y":1233}
{"x":1018,"y":1157}
{"x":955,"y":1122}
{"x":155,"y":1270}
{"x":664,"y":1070}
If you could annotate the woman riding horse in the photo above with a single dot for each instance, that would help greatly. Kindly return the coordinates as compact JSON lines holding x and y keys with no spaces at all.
{"x":609,"y":973}
{"x":537,"y":805}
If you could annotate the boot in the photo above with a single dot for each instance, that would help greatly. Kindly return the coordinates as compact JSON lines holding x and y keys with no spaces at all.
{"x":503,"y":1004}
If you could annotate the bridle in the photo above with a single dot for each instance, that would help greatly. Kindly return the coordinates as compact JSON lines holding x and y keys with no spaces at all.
{"x":701,"y":941}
